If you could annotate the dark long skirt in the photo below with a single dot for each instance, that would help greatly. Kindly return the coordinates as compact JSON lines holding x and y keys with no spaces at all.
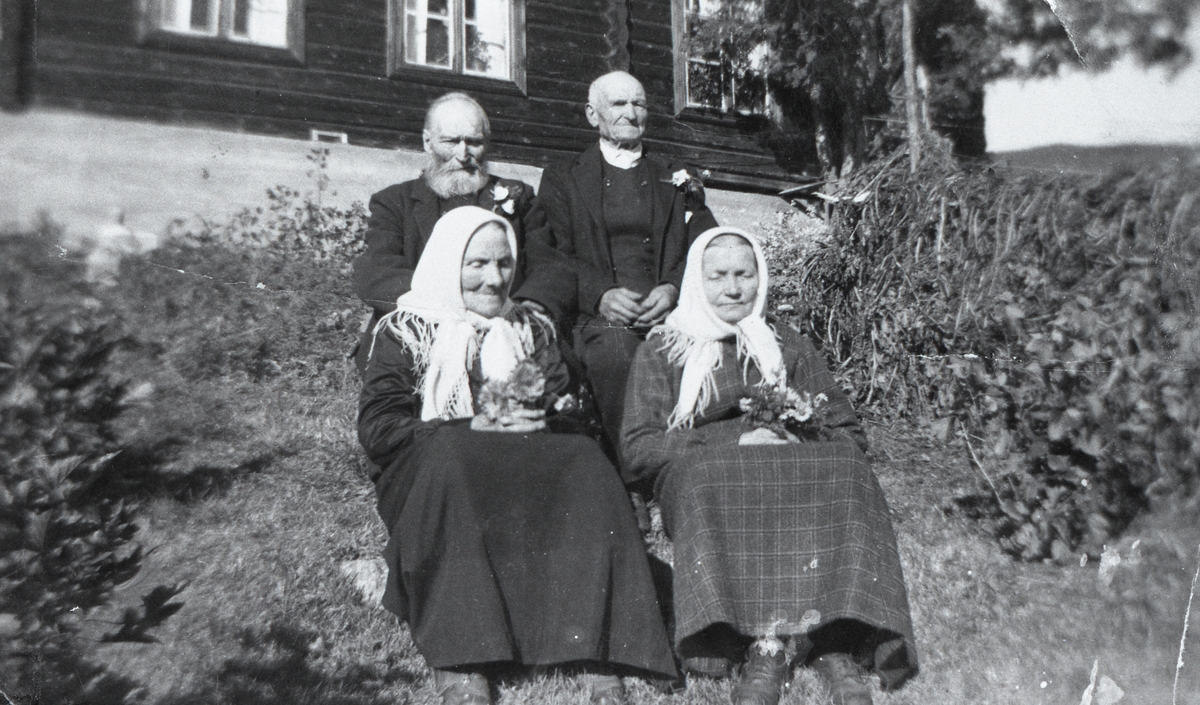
{"x":786,"y":539}
{"x":518,"y":548}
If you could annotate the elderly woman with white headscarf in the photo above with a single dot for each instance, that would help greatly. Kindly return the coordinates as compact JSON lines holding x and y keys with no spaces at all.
{"x":508,"y":544}
{"x":775,"y":538}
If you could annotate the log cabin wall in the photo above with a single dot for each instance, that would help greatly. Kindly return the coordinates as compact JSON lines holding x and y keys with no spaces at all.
{"x":93,"y":55}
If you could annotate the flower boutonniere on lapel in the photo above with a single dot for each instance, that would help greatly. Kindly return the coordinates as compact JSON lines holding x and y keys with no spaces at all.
{"x":690,"y":186}
{"x":504,"y":198}
{"x":692,"y":189}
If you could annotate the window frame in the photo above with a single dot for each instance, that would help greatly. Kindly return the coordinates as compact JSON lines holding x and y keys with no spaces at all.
{"x":152,"y":33}
{"x":455,"y":77}
{"x":682,"y":60}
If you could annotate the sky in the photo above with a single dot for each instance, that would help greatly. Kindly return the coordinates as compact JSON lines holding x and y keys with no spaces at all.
{"x":1123,"y":105}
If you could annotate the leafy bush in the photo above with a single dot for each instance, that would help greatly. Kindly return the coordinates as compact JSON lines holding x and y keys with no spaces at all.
{"x":1050,"y":323}
{"x":296,"y":222}
{"x":64,"y":546}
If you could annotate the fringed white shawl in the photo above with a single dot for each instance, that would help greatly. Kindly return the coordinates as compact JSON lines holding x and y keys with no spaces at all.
{"x":693,"y":332}
{"x":445,"y":337}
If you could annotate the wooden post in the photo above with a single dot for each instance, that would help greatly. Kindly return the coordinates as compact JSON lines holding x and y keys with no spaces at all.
{"x":911,"y":103}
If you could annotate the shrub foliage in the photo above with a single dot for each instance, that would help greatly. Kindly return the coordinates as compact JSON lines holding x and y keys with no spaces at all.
{"x":65,"y":543}
{"x":1049,"y":323}
{"x":296,"y":222}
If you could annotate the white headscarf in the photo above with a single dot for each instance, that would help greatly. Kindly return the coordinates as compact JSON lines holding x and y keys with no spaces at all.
{"x":443,"y":335}
{"x":693,"y":332}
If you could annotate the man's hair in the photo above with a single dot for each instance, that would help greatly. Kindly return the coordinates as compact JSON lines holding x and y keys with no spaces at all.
{"x":596,"y":90}
{"x":457,"y":97}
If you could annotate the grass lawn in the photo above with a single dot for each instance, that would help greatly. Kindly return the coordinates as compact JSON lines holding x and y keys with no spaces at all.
{"x":254,"y":491}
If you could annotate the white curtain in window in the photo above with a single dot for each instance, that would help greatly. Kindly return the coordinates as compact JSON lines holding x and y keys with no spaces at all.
{"x":266,"y":21}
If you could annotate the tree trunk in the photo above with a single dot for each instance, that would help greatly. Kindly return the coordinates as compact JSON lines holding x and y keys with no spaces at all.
{"x":911,"y":101}
{"x":821,"y":133}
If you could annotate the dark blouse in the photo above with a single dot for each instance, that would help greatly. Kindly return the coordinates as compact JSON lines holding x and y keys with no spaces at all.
{"x":389,"y":407}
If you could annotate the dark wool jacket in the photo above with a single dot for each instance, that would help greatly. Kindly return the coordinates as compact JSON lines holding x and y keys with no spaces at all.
{"x":568,"y":262}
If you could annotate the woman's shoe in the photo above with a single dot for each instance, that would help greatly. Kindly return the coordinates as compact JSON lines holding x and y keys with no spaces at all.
{"x":462,"y":688}
{"x":846,"y":679}
{"x":761,"y":682}
{"x":607,"y":690}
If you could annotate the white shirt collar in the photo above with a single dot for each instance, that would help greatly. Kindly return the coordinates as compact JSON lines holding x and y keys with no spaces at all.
{"x":620,"y":157}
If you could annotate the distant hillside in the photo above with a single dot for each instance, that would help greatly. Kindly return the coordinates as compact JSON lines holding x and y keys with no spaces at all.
{"x":1074,"y":158}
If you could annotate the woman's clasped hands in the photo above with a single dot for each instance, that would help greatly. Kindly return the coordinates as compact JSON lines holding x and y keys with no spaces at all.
{"x":764,"y":437}
{"x":515,"y":421}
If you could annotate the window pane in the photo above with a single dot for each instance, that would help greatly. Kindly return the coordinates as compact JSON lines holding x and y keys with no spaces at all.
{"x":427,"y":34}
{"x":200,"y":15}
{"x":412,"y":37}
{"x":486,"y":32}
{"x":704,"y":84}
{"x":749,"y":92}
{"x":241,"y":16}
{"x":437,"y":43}
{"x":469,"y":9}
{"x":190,"y":16}
{"x":261,"y":21}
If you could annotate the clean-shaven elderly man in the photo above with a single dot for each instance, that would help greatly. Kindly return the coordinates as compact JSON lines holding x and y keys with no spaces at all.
{"x":456,"y":137}
{"x":608,"y":237}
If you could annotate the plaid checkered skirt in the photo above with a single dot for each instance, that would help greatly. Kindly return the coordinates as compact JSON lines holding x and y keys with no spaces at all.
{"x":781,"y":540}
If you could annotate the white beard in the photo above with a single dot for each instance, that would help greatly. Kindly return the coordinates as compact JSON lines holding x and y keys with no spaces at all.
{"x":447,"y":179}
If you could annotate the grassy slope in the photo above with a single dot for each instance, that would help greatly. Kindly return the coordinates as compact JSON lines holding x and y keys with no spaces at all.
{"x":254,"y":492}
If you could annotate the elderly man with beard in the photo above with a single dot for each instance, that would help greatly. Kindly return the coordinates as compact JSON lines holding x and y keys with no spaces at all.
{"x":456,"y":138}
{"x":608,"y":239}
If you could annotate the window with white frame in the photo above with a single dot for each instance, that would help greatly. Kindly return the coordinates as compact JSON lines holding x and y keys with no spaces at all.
{"x":266,"y":23}
{"x":707,"y":75}
{"x":482,"y":38}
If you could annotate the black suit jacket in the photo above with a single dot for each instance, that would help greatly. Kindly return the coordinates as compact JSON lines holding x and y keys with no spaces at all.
{"x":402,"y":218}
{"x":569,"y":264}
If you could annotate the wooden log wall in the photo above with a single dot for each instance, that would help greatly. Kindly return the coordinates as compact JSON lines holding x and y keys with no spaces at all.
{"x":89,"y":57}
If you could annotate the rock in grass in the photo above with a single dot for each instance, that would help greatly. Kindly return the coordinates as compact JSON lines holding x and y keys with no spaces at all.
{"x":369,"y":577}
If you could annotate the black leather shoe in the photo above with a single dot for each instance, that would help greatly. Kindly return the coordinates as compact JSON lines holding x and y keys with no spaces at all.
{"x":846,"y":679}
{"x":761,"y":682}
{"x":462,"y":688}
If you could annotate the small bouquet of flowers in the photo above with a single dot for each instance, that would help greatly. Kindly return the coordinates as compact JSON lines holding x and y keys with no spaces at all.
{"x":523,"y":389}
{"x":784,"y":411}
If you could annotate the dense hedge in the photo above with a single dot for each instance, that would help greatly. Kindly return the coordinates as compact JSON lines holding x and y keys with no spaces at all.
{"x":1049,"y":323}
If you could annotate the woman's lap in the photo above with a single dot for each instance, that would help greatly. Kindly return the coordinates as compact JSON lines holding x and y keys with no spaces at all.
{"x":518,"y":541}
{"x":781,"y":538}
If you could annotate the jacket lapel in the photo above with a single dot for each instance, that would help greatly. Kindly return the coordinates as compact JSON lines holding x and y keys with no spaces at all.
{"x":425,"y":209}
{"x":486,"y":198}
{"x":588,"y":175}
{"x":663,"y":203}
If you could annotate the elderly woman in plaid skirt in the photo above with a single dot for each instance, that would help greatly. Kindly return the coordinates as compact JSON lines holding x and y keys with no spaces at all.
{"x":777,"y":538}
